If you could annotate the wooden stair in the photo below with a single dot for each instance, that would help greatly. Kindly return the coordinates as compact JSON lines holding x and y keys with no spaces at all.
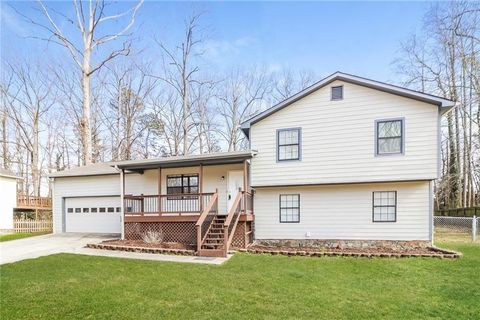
{"x":214,"y":244}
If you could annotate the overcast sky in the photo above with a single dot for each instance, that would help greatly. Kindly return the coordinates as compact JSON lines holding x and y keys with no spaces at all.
{"x":355,"y":37}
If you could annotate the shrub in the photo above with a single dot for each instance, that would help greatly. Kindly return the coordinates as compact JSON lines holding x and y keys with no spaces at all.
{"x":153,"y":236}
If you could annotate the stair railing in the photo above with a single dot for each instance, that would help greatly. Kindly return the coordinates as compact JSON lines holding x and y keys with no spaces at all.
{"x":205,"y":220}
{"x":232,"y":220}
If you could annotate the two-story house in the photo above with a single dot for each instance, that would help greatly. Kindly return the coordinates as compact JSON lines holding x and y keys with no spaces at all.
{"x":348,"y":159}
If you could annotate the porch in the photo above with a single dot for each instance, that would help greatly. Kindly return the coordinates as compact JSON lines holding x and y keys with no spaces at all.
{"x":203,"y":202}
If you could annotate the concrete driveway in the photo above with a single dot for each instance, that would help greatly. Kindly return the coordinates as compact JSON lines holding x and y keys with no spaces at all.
{"x":34,"y":247}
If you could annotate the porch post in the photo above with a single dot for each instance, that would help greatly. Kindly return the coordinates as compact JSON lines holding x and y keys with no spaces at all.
{"x":159,"y":191}
{"x":245,"y":185}
{"x":122,"y":203}
{"x":200,"y":187}
{"x":245,"y":175}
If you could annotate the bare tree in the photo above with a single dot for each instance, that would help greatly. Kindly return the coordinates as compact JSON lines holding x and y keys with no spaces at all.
{"x":240,"y":95}
{"x":180,"y":74}
{"x":89,"y":20}
{"x":445,"y":60}
{"x":29,"y":99}
{"x":127,"y":89}
{"x":287,"y":83}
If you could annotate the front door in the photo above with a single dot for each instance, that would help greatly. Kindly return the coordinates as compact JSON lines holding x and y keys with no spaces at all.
{"x":235,"y":181}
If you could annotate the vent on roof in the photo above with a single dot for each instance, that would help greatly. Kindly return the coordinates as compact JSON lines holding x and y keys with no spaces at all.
{"x":337,"y":93}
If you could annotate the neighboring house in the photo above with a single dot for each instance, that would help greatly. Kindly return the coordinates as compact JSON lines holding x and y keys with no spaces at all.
{"x":8,"y":198}
{"x":346,"y":159}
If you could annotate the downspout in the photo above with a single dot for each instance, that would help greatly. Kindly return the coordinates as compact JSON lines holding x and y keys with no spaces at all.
{"x":122,"y":202}
{"x":441,"y":113}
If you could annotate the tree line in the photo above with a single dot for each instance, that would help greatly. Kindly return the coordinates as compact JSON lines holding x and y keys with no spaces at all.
{"x":444,"y":59}
{"x":106,"y":100}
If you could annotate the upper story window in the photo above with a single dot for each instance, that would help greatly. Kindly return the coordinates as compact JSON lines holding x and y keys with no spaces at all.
{"x":288,"y":144}
{"x":389,"y":137}
{"x":182,"y":183}
{"x":337,"y":93}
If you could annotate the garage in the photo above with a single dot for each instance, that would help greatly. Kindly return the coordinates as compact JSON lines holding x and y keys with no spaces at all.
{"x":93,"y":214}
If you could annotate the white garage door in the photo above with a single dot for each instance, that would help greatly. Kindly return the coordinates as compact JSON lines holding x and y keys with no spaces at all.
{"x":93,"y":215}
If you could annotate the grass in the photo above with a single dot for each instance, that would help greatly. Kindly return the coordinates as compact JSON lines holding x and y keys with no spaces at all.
{"x":68,"y":286}
{"x":15,"y":236}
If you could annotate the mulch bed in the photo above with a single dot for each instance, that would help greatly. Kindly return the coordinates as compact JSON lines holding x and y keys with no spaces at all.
{"x":354,"y":252}
{"x":143,"y":247}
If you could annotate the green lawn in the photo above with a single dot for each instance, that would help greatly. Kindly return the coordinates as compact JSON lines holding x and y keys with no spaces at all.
{"x":15,"y":236}
{"x":68,"y":286}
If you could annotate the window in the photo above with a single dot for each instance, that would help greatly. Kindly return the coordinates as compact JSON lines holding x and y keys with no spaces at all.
{"x":118,"y":209}
{"x":86,"y":210}
{"x":288,"y":144}
{"x":289,"y":208}
{"x":78,"y":210}
{"x":103,"y":209}
{"x":70,"y":210}
{"x":337,"y":93}
{"x":111,"y":209}
{"x":93,"y":210}
{"x":384,"y":206}
{"x":389,"y":137}
{"x":182,"y":183}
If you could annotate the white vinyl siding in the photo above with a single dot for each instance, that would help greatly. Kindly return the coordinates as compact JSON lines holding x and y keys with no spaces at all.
{"x":338,"y":139}
{"x":214,"y":178}
{"x":8,"y":187}
{"x":69,"y":187}
{"x":345,"y":212}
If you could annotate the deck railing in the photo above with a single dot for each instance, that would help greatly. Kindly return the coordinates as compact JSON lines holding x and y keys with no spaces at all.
{"x":33,"y":202}
{"x":205,"y":220}
{"x":248,"y":202}
{"x":239,"y":205}
{"x":171,"y":204}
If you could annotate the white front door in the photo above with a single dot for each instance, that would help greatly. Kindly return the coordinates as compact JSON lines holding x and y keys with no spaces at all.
{"x":235,"y":181}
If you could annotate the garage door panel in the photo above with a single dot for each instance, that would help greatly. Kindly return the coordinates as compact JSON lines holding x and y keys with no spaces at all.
{"x":93,"y":214}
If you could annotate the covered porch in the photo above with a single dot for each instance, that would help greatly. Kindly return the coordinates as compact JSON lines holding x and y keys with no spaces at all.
{"x":204,"y":201}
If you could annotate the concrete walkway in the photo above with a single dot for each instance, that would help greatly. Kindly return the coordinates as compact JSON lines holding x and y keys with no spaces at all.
{"x":34,"y":247}
{"x":151,"y":256}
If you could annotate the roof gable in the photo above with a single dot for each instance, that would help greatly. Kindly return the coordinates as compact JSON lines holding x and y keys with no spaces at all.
{"x":442,"y":103}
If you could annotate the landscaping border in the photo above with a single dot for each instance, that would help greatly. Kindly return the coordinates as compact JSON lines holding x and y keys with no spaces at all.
{"x":183,"y":252}
{"x":438,"y":253}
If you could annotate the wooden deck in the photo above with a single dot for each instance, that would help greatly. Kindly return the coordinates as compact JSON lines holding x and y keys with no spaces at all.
{"x":185,"y":217}
{"x":33,"y":203}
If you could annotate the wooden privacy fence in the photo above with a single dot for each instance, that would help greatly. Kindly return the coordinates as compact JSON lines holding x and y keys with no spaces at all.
{"x":458,"y":212}
{"x":26,"y":225}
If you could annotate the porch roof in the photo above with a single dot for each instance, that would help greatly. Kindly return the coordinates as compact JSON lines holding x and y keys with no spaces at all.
{"x":186,"y":161}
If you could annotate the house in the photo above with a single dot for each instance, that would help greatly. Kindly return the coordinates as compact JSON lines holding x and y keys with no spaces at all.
{"x":8,"y":198}
{"x":348,"y":159}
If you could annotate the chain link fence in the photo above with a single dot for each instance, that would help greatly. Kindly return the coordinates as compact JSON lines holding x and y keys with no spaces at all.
{"x":464,"y":229}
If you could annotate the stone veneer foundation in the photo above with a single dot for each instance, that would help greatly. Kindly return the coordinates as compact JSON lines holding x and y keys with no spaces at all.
{"x":345,"y":244}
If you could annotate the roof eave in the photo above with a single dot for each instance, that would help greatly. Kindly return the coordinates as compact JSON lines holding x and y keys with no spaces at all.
{"x":385,"y":87}
{"x":178,"y":163}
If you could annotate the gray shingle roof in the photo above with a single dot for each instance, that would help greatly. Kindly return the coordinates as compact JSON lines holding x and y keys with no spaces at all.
{"x":96,"y":169}
{"x":8,"y":174}
{"x":108,"y":168}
